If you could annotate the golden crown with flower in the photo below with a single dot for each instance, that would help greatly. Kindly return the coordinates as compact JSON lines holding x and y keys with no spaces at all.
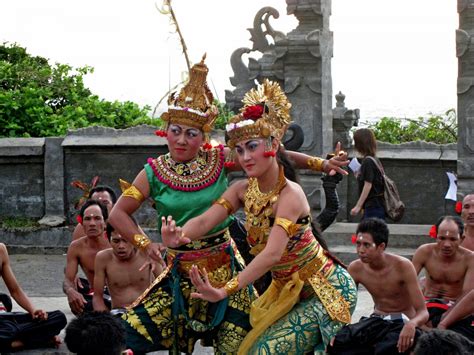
{"x":266,"y":113}
{"x":193,"y":105}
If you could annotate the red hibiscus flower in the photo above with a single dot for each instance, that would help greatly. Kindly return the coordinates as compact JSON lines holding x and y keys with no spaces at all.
{"x":79,"y":219}
{"x":433,"y":232}
{"x":253,"y":112}
{"x":458,"y":207}
{"x":353,"y":238}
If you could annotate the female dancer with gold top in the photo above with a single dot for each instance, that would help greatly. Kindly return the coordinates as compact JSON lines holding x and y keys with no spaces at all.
{"x":312,"y":295}
{"x":184,"y":183}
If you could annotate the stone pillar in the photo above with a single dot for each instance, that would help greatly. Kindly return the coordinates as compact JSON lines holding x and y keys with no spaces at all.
{"x":300,"y":61}
{"x":54,"y":206}
{"x":465,"y":90}
{"x":343,"y":120}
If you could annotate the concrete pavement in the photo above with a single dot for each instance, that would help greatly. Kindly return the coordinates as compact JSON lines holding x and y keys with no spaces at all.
{"x":41,"y":278}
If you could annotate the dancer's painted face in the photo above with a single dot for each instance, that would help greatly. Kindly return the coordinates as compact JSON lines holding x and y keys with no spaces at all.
{"x":184,"y":142}
{"x":251,"y":156}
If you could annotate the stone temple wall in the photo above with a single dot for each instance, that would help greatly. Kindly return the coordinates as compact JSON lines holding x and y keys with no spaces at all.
{"x":36,"y":173}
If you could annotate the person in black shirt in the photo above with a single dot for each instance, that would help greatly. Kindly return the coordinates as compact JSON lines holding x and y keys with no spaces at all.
{"x":369,"y":178}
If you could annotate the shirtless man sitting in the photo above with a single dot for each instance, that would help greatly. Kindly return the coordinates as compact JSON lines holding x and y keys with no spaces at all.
{"x":467,"y":215}
{"x":126,"y":272}
{"x":35,"y":329}
{"x":102,"y":193}
{"x":399,"y":307}
{"x":82,"y":252}
{"x":449,"y":268}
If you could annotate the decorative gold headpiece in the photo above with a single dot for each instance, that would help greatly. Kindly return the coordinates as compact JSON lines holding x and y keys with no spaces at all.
{"x":266,"y":112}
{"x":193,"y":105}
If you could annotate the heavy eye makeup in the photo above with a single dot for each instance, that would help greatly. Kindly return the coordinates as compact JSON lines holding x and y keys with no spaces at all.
{"x":251,"y":146}
{"x":190,"y":132}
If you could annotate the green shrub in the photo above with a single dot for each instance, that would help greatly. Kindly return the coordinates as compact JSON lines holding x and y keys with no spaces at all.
{"x":40,"y":100}
{"x":440,"y":129}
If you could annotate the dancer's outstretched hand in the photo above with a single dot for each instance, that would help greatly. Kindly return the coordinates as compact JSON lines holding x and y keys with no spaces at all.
{"x":335,"y":164}
{"x":171,"y":234}
{"x":205,"y":290}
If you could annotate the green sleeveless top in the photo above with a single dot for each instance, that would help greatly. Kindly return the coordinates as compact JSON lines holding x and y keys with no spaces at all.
{"x":187,"y":190}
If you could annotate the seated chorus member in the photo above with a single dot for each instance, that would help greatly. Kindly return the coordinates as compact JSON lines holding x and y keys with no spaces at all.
{"x":399,"y":307}
{"x":102,"y":193}
{"x":35,"y":329}
{"x":82,"y":252}
{"x":120,"y":268}
{"x":449,"y":268}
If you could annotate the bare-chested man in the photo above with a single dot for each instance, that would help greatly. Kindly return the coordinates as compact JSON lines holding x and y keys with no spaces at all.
{"x":399,"y":307}
{"x":102,"y":193}
{"x":82,"y":252}
{"x":449,"y":268}
{"x":34,"y":329}
{"x":120,"y":268}
{"x":467,"y":215}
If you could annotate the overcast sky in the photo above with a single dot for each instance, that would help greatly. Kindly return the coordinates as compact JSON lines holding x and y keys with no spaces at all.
{"x":390,"y":57}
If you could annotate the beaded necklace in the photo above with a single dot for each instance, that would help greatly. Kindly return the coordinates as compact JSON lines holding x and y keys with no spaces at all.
{"x":195,"y":175}
{"x":258,"y":209}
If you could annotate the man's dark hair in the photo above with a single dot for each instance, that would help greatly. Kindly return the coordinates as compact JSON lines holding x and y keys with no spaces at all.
{"x":94,"y":333}
{"x":455,"y":219}
{"x":109,"y":229}
{"x":443,"y":342}
{"x":101,"y":188}
{"x":377,"y":228}
{"x":105,"y":213}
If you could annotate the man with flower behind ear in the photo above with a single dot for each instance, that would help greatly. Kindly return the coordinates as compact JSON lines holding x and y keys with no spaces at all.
{"x":449,"y":268}
{"x":399,"y":309}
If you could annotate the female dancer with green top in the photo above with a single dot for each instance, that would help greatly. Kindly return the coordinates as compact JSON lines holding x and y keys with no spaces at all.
{"x":184,"y":183}
{"x":312,"y":295}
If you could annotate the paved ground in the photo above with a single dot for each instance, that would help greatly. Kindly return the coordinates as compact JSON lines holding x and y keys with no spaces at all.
{"x":41,"y":278}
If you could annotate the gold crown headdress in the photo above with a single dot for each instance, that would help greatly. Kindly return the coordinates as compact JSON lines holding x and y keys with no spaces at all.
{"x":193,"y":105}
{"x":266,"y":113}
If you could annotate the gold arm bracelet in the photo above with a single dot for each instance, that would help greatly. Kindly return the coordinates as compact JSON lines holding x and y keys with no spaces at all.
{"x":134,"y":193}
{"x":315,"y":163}
{"x":141,"y":241}
{"x":232,"y":286}
{"x":289,"y":227}
{"x":226,"y":204}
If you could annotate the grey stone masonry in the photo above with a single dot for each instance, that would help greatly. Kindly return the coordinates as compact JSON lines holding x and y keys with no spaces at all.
{"x":22,"y":177}
{"x":465,"y":90}
{"x":53,"y":183}
{"x":111,"y":154}
{"x":300,"y":61}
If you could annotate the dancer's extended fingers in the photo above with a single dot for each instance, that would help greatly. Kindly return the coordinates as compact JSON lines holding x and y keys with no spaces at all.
{"x":195,"y":277}
{"x":205,"y":276}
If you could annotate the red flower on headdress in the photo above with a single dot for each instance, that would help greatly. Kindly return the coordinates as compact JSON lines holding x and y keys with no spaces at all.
{"x":79,"y":219}
{"x":353,"y":238}
{"x":458,"y":207}
{"x":253,"y":112}
{"x":433,"y":232}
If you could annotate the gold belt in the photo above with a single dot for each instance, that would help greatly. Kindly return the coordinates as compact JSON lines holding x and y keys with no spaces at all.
{"x":215,"y":262}
{"x":315,"y":273}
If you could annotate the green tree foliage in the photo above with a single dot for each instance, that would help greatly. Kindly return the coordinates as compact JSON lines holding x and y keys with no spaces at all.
{"x":40,"y":100}
{"x":439,"y":129}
